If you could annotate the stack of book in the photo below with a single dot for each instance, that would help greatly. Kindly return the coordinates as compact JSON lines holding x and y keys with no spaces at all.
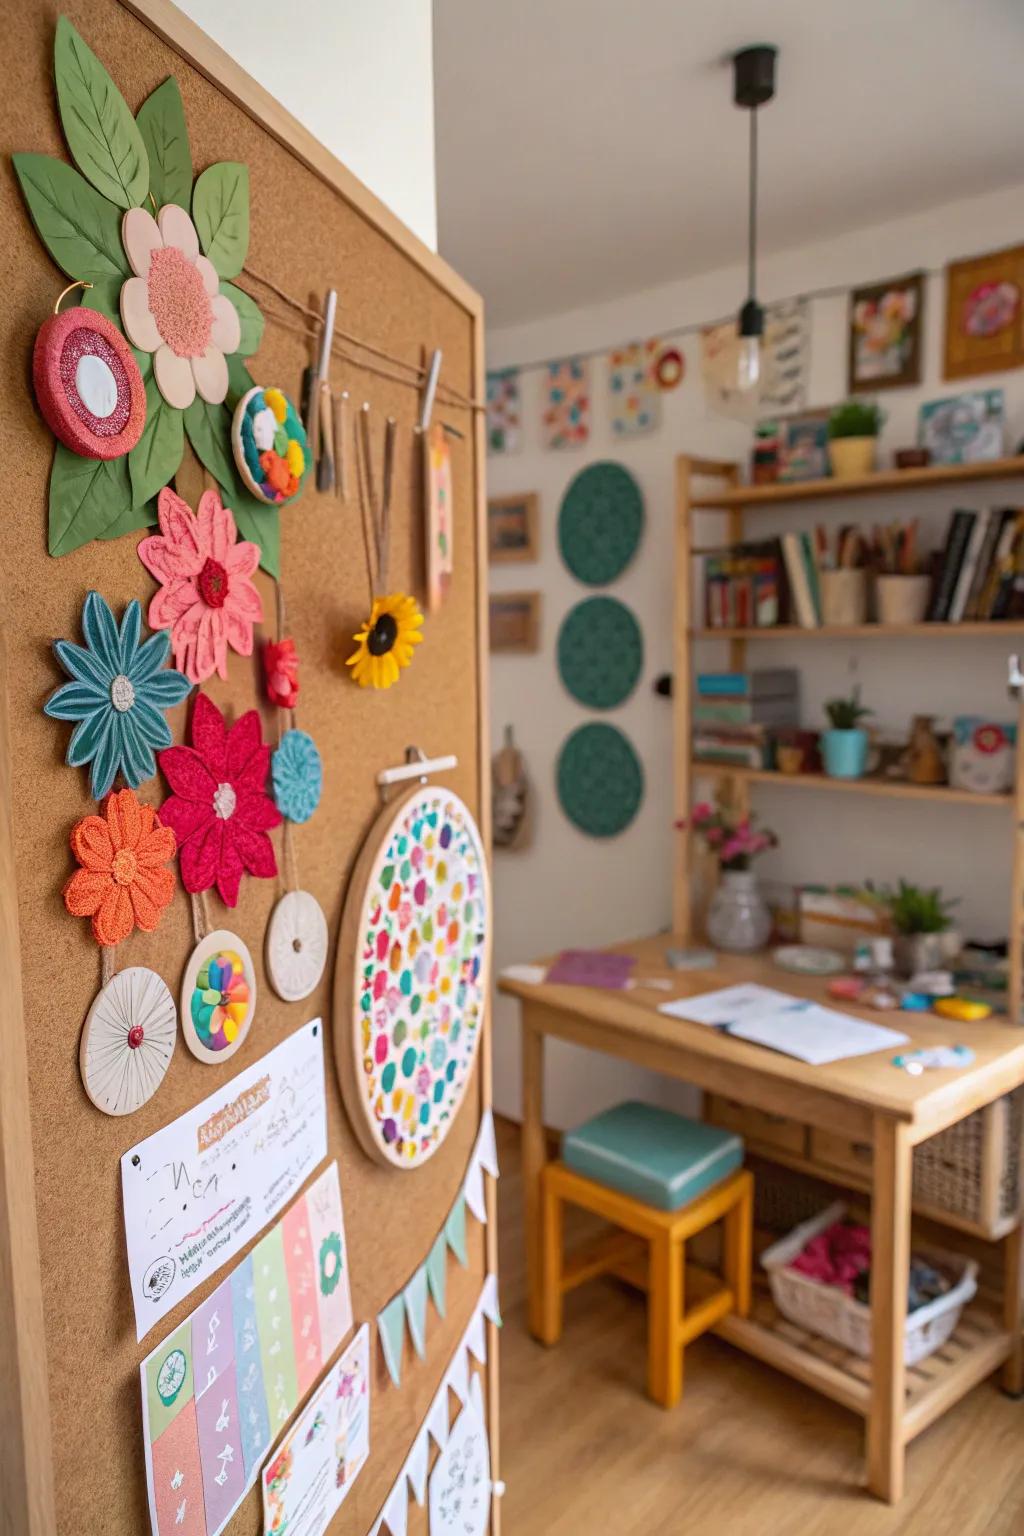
{"x":979,"y":572}
{"x":734,"y":714}
{"x":745,"y":587}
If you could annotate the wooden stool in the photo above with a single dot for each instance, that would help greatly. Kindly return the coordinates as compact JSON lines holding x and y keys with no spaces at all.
{"x":667,"y":1156}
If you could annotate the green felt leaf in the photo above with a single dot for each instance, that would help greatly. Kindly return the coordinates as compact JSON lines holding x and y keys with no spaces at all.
{"x":240,"y":380}
{"x":80,"y":229}
{"x":102,"y":135}
{"x":132,"y":520}
{"x":259,"y":525}
{"x":87,"y":496}
{"x":161,"y":120}
{"x":220,"y":208}
{"x":156,"y":456}
{"x":250,"y":317}
{"x":209,"y":432}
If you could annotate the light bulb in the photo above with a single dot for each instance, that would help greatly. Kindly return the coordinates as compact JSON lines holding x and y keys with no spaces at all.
{"x":748,"y":363}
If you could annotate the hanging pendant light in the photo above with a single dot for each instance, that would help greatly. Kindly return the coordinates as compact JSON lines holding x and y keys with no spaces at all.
{"x":753,"y":85}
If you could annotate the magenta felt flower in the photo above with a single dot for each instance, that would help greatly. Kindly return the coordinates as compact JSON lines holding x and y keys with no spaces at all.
{"x":207,"y":597}
{"x":220,"y":811}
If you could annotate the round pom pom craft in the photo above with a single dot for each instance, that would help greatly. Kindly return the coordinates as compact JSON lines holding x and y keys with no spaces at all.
{"x":296,"y":946}
{"x":218,"y":997}
{"x":128,"y":1041}
{"x":269,"y":444}
{"x":88,"y":383}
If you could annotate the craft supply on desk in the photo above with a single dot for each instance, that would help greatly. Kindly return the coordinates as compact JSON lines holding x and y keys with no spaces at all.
{"x":809,"y":959}
{"x":692,"y":959}
{"x":591,"y":968}
{"x":530,"y":975}
{"x":931,"y":1058}
{"x":964,"y":1010}
{"x":794,"y":1025}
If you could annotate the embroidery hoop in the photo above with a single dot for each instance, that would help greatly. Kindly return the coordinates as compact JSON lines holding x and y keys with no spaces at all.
{"x":220,"y":938}
{"x":68,"y":415}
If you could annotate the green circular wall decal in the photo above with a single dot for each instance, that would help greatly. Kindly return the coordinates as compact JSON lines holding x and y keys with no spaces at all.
{"x":600,"y":780}
{"x":600,"y":652}
{"x":600,"y":523}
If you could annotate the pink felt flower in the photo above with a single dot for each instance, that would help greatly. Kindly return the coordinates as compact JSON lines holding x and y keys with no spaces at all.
{"x":207,"y":599}
{"x":220,"y":810}
{"x":173,"y":306}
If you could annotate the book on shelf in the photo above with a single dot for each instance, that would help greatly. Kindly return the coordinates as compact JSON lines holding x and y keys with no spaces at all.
{"x":727,"y":711}
{"x":978,"y":574}
{"x":739,"y":746}
{"x":745,"y":586}
{"x":801,"y":570}
{"x":759,"y":683}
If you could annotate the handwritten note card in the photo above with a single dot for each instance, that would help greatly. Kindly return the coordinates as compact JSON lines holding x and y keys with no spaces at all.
{"x":221,"y":1387}
{"x":308,"y":1477}
{"x":196,"y":1192}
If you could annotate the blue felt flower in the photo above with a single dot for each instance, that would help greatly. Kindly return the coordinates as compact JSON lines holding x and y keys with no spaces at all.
{"x":118,"y":692}
{"x":298,"y":776}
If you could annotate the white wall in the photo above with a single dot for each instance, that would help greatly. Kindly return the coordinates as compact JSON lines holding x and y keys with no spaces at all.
{"x":359,"y":74}
{"x":572,"y":890}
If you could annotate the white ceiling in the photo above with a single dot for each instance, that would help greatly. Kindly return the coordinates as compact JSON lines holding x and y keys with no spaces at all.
{"x":588,"y":148}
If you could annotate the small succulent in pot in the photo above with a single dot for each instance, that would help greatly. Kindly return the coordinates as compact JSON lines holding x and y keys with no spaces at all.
{"x":844,"y":745}
{"x":853,"y":430}
{"x":922,"y":923}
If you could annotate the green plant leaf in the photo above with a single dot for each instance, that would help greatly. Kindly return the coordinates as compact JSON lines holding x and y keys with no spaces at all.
{"x":260,"y":525}
{"x":132,"y":519}
{"x":102,"y":135}
{"x":250,"y":317}
{"x":240,"y":380}
{"x":80,"y":229}
{"x":156,"y":456}
{"x":87,"y":496}
{"x":161,"y":120}
{"x":220,"y":208}
{"x":209,"y":432}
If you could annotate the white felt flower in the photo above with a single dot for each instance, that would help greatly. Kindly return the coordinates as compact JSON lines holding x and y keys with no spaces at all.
{"x":173,"y":306}
{"x":264,"y":428}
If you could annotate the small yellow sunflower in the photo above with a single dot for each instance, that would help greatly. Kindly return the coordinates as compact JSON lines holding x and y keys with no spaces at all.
{"x":385,"y":643}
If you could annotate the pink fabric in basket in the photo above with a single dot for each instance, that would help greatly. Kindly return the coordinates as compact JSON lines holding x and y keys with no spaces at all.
{"x":836,"y":1256}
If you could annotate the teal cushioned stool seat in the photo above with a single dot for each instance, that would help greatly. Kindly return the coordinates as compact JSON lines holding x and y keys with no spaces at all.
{"x":652,"y":1154}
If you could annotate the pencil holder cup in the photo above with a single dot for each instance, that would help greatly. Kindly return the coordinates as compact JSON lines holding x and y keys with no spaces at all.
{"x":902,"y":599}
{"x":844,"y":597}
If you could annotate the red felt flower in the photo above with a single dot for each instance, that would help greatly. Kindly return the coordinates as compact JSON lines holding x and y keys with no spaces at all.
{"x":281,"y":670}
{"x":220,"y":810}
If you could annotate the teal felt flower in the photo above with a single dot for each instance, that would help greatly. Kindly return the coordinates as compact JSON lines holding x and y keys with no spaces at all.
{"x":117,"y":694}
{"x":298,"y":776}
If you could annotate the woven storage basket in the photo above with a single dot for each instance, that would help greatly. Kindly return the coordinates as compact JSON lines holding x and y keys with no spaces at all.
{"x":825,"y":1310}
{"x":950,"y":1168}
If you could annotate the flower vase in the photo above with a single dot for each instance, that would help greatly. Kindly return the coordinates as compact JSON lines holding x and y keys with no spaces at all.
{"x":738,"y":916}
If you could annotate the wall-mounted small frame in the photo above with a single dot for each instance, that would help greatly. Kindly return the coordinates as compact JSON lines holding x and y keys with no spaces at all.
{"x":513,"y":528}
{"x":984,"y":314}
{"x":515,"y":621}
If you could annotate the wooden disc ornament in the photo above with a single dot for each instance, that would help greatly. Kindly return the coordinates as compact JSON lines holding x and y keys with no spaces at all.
{"x":411,"y":980}
{"x":128,"y":1041}
{"x":218,"y":997}
{"x":296,"y":945}
{"x":269,"y":444}
{"x":88,"y":384}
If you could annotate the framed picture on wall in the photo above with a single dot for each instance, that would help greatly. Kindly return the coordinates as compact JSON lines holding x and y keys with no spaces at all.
{"x":885,"y":334}
{"x":512,"y":528}
{"x":965,"y":429}
{"x":802,"y":450}
{"x":985,"y":314}
{"x":515,"y":621}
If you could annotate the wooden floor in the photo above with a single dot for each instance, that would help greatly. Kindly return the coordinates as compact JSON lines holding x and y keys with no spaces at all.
{"x":747,"y":1453}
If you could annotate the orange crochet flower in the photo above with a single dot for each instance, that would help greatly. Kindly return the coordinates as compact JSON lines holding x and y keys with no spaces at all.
{"x":124,"y":881}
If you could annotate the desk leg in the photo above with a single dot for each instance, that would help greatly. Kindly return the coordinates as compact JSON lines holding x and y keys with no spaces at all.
{"x":1013,"y":1321}
{"x":890,"y":1269}
{"x":534,"y":1156}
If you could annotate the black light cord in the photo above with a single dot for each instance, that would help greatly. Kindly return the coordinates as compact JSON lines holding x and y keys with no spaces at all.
{"x":752,"y":208}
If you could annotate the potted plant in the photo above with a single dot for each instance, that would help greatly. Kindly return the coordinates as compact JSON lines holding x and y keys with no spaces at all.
{"x":923,"y":936}
{"x":738,"y":916}
{"x":853,"y":429}
{"x":844,"y":746}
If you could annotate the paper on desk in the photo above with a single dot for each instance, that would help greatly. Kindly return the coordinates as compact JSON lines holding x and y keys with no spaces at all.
{"x":532,"y":975}
{"x":793,"y":1025}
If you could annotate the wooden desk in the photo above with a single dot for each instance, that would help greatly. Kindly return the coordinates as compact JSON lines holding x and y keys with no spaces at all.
{"x":864,"y":1097}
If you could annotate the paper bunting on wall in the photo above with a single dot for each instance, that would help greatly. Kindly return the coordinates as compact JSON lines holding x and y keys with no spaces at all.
{"x":460,"y":1379}
{"x":634,"y":391}
{"x":408,"y":1309}
{"x":567,"y":404}
{"x":504,"y":412}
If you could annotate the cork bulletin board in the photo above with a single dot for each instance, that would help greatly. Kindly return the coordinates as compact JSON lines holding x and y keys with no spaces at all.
{"x":70,"y":1418}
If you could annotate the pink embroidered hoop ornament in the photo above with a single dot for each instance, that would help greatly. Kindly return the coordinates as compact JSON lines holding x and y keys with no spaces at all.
{"x":88,"y":383}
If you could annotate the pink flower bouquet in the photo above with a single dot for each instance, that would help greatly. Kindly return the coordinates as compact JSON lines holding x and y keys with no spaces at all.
{"x":734,"y":840}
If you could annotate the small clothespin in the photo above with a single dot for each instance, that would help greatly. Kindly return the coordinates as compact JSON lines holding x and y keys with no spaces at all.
{"x":429,"y":391}
{"x":325,"y":456}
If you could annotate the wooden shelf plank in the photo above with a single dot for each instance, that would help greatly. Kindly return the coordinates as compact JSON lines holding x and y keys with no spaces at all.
{"x":750,"y":497}
{"x":1004,"y":628}
{"x":894,"y":788}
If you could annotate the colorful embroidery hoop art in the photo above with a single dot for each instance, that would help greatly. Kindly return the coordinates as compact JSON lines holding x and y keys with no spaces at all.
{"x":412,"y":975}
{"x":218,"y":997}
{"x":295,"y":953}
{"x":269,"y":444}
{"x":88,"y":384}
{"x":128,"y":1041}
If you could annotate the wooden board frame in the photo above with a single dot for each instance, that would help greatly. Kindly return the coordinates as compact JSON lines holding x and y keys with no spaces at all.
{"x":31,"y":1498}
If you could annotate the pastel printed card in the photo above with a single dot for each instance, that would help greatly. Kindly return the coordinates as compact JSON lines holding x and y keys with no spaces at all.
{"x":567,"y":404}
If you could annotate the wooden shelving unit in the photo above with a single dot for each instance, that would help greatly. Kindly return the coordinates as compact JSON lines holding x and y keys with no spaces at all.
{"x":735,"y":500}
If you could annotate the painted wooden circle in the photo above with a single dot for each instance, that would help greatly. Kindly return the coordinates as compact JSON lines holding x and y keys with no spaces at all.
{"x":600,"y":523}
{"x":269,"y":444}
{"x":296,"y":946}
{"x":600,"y":780}
{"x":218,"y":996}
{"x":412,"y":975}
{"x":88,"y":384}
{"x":128,"y":1041}
{"x":600,"y":652}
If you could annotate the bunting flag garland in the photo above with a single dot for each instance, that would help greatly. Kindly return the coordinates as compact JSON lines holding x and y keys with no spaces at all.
{"x":504,"y":412}
{"x":461,"y":1379}
{"x":634,"y":389}
{"x":408,"y":1309}
{"x":567,"y":404}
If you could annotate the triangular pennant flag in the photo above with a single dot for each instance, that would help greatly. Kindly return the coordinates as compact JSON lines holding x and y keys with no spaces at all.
{"x":473,"y":1190}
{"x":396,"y":1510}
{"x":436,"y":1266}
{"x":486,"y":1146}
{"x":391,"y":1328}
{"x":415,"y":1297}
{"x":416,"y":1467}
{"x":489,"y":1300}
{"x":476,"y":1337}
{"x":455,"y":1230}
{"x":437,"y":1418}
{"x":458,"y":1374}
